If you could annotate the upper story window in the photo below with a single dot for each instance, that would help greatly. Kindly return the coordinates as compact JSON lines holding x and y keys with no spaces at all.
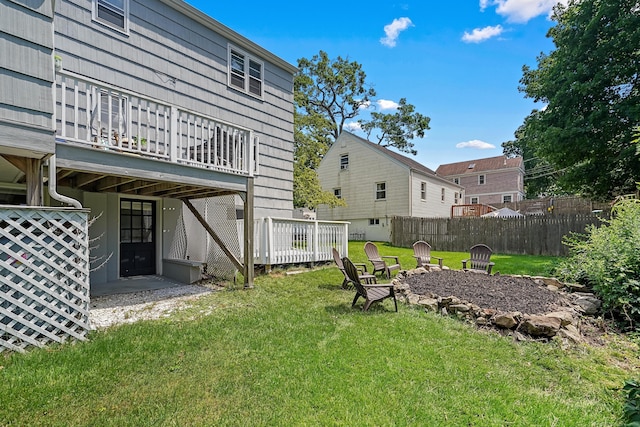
{"x":381,"y":190}
{"x":456,"y":181}
{"x":506,"y":198}
{"x":245,"y":72}
{"x":442,"y":194}
{"x":481,"y":179}
{"x":474,"y":200}
{"x":423,"y":191}
{"x":114,"y":13}
{"x":344,"y":162}
{"x":337,"y":192}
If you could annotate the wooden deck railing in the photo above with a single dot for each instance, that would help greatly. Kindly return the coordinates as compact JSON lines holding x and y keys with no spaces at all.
{"x":296,"y":241}
{"x":106,"y":117}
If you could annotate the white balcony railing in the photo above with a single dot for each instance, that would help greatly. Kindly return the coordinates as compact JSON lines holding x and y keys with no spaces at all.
{"x":106,"y":117}
{"x":296,"y":241}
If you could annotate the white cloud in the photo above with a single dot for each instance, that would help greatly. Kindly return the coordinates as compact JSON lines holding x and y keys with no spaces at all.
{"x":481,"y":34}
{"x":393,"y":30}
{"x":521,"y":10}
{"x":476,"y":144}
{"x":352,"y":126}
{"x":385,"y":104}
{"x":365,"y":105}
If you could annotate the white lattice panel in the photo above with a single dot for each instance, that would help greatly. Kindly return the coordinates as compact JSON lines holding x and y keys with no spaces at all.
{"x":44,"y":276}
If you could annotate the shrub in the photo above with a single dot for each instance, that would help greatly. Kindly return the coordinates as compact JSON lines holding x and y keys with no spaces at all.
{"x":632,"y":404}
{"x":607,"y":259}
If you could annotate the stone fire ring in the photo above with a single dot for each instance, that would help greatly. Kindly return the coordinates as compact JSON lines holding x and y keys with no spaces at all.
{"x":563,"y":318}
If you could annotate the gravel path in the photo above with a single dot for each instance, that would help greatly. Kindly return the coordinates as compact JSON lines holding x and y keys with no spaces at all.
{"x":109,"y":310}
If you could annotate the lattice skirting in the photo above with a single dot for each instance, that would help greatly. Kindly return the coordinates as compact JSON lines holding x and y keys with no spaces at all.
{"x":44,"y":276}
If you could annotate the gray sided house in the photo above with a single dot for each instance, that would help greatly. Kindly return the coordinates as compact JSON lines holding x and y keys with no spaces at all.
{"x":378,"y":184}
{"x":149,"y":115}
{"x":492,"y":180}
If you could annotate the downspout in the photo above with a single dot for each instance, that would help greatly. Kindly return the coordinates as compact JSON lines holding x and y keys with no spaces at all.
{"x":53,"y":183}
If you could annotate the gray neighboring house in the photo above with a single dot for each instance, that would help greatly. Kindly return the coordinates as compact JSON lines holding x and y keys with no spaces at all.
{"x":136,"y":109}
{"x":492,"y":180}
{"x":378,"y":184}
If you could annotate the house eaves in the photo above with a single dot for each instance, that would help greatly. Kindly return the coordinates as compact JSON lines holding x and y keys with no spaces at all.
{"x":411,"y":164}
{"x":234,"y":37}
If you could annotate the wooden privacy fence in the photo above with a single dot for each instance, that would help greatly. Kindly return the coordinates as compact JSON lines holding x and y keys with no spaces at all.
{"x":44,"y":276}
{"x":531,"y":235}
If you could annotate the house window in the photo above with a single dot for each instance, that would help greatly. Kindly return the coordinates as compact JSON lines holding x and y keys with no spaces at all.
{"x":245,"y":72}
{"x":455,"y":198}
{"x":374,"y":221}
{"x":442,"y":195}
{"x":481,"y":179}
{"x":506,"y":198}
{"x":344,"y":162}
{"x":337,"y":192}
{"x":381,"y":190}
{"x":474,"y":200}
{"x":423,"y":190}
{"x":456,"y":181}
{"x":114,"y":13}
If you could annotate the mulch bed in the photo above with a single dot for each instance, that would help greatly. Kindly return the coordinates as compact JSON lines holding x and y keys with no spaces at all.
{"x":502,"y":293}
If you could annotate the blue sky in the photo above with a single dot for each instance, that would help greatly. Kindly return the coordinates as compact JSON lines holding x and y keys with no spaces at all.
{"x":458,"y":62}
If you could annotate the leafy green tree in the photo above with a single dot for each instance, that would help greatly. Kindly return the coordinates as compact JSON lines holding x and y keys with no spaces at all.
{"x":329,"y":93}
{"x":310,"y":147}
{"x":591,"y":85}
{"x":399,"y":128}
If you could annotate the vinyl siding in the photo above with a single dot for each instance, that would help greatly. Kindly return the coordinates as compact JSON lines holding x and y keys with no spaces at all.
{"x":358,"y":183}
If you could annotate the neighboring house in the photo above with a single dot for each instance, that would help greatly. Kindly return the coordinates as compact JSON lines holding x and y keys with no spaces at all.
{"x":378,"y":184}
{"x":139,"y":108}
{"x":489,"y":181}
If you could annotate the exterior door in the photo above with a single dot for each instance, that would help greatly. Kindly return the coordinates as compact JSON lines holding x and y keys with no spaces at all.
{"x":137,"y":235}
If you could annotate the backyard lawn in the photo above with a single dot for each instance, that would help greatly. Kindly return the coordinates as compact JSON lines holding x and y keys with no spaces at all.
{"x":293,"y":352}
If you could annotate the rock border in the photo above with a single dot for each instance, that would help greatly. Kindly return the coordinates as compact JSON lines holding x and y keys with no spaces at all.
{"x":565,"y":322}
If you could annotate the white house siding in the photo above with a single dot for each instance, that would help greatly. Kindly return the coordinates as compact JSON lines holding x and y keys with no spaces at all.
{"x":370,"y":218}
{"x":433,"y":206}
{"x":26,"y":75}
{"x":178,"y":58}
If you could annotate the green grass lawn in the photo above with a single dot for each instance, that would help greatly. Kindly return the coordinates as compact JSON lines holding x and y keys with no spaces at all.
{"x":292,"y":352}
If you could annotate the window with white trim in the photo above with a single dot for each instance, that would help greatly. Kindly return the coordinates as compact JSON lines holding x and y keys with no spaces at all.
{"x":423,"y":191}
{"x":374,"y":221}
{"x":245,"y":72}
{"x":344,"y":162}
{"x":442,"y":194}
{"x":506,"y":198}
{"x":481,"y":179}
{"x":381,"y":190}
{"x":456,"y":181}
{"x":114,"y":13}
{"x":337,"y":192}
{"x":474,"y":200}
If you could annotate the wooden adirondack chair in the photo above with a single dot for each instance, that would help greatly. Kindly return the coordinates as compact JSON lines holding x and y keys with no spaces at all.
{"x":371,"y":292}
{"x":379,"y":264}
{"x":362,"y":271}
{"x":479,"y":259}
{"x":422,"y":254}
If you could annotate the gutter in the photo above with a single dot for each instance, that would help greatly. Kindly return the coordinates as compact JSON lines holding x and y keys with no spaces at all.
{"x":53,"y":183}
